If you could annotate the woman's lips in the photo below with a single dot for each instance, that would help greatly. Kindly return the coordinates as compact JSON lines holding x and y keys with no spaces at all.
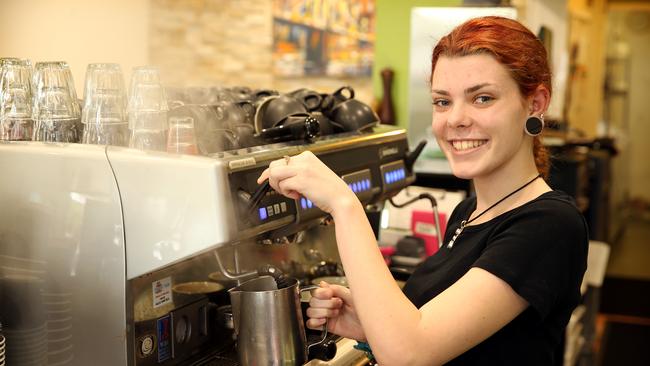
{"x":466,"y":145}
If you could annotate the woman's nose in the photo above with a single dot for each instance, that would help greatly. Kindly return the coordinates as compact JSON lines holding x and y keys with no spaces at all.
{"x":457,"y":116}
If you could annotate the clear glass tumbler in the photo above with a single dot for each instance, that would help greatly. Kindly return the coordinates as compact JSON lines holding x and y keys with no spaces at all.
{"x":147,"y":110}
{"x":104,"y":113}
{"x":55,"y":109}
{"x":16,"y":121}
{"x":182,"y":136}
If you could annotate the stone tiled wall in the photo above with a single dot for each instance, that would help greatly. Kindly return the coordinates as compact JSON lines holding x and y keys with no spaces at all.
{"x":225,"y":43}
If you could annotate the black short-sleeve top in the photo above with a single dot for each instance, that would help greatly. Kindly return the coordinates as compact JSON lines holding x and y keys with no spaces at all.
{"x":539,"y":249}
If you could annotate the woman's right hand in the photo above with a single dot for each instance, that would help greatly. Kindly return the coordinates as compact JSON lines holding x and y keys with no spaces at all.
{"x":334,"y":303}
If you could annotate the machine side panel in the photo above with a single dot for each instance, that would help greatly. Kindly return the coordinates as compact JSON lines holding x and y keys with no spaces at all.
{"x":175,"y":206}
{"x":62,"y":255}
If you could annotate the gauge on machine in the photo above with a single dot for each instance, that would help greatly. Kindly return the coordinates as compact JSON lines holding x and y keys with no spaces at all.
{"x":183,"y":330}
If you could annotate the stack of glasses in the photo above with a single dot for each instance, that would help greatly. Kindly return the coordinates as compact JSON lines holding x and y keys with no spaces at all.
{"x":104,"y":111}
{"x":147,"y":110}
{"x":16,"y":121}
{"x":56,"y":111}
{"x":43,"y":106}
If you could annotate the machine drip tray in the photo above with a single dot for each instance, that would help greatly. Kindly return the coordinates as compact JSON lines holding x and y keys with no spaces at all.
{"x":222,"y":358}
{"x":228,"y":357}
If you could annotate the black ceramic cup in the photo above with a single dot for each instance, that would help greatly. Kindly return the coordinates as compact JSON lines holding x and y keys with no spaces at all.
{"x":330,"y":101}
{"x":354,"y":115}
{"x":275,"y":109}
{"x":310,"y":98}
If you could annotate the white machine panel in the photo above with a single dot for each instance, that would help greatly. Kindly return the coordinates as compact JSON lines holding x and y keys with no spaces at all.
{"x":174,"y":206}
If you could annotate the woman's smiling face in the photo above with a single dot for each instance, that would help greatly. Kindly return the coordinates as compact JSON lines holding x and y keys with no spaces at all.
{"x":478,"y":115}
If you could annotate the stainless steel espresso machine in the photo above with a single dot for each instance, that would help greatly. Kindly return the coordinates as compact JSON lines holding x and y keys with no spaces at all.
{"x":115,"y":256}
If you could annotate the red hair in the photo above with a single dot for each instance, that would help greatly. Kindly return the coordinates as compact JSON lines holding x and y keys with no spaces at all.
{"x":513,"y":46}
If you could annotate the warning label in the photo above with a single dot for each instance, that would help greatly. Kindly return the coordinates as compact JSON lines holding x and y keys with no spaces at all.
{"x":162,"y":292}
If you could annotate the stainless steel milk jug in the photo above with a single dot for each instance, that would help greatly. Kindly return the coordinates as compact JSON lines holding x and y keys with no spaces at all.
{"x":268,"y":322}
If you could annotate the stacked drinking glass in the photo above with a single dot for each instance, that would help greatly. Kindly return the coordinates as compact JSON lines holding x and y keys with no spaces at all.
{"x":104,"y":111}
{"x":16,"y":121}
{"x":147,"y":110}
{"x":55,"y":110}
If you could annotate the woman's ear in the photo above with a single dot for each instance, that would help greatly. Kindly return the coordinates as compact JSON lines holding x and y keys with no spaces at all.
{"x":539,"y":101}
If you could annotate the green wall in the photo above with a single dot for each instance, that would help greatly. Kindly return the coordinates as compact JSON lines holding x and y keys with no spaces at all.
{"x":393,"y":29}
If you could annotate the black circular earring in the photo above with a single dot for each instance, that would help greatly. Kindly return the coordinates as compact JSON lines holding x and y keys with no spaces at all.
{"x":534,"y":125}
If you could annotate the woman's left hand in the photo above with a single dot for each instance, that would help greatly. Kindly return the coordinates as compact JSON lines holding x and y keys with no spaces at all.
{"x":306,"y":175}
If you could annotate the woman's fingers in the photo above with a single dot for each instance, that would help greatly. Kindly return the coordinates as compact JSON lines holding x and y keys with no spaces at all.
{"x":286,"y":188}
{"x":278,"y":176}
{"x":316,"y":324}
{"x":322,"y":293}
{"x":332,"y":303}
{"x":272,"y":169}
{"x":264,"y":176}
{"x":341,"y":292}
{"x":322,"y":313}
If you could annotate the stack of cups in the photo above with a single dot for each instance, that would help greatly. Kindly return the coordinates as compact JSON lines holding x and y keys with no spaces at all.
{"x":55,"y":109}
{"x":182,"y":137}
{"x":16,"y":121}
{"x":2,"y":347}
{"x":26,"y":327}
{"x":147,"y":110}
{"x":104,"y":112}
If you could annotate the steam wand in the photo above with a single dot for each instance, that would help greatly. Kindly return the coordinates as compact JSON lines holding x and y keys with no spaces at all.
{"x":280,"y":278}
{"x":434,"y":206}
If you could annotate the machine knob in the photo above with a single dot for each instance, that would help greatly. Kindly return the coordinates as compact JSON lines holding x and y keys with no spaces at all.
{"x":146,"y":345}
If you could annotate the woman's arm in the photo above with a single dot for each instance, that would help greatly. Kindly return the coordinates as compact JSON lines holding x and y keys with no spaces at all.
{"x":468,"y":312}
{"x":475,"y":307}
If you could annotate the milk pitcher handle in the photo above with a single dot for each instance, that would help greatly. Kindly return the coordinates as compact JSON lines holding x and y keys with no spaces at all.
{"x":309,"y":288}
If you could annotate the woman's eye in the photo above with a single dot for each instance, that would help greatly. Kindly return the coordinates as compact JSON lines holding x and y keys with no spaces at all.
{"x":483,"y":99}
{"x":440,"y":102}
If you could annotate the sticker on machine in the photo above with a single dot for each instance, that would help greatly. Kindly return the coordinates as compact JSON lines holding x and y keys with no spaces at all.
{"x":162,"y":292}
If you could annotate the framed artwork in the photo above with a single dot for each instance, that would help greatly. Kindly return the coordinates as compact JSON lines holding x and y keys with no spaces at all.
{"x":323,"y":37}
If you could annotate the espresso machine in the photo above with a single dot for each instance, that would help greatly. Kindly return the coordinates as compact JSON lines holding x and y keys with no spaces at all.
{"x":115,"y":256}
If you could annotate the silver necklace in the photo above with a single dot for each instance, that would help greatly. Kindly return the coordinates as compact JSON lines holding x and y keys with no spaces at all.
{"x":466,"y":222}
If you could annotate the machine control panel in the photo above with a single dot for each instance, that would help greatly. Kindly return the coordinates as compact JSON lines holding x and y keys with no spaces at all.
{"x":393,"y":175}
{"x":374,"y":171}
{"x":361,"y":184}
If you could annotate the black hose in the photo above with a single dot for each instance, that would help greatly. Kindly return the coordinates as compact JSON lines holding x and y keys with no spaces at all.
{"x":434,"y":206}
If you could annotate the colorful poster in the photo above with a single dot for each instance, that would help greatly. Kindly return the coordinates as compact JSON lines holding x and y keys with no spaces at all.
{"x":323,"y":37}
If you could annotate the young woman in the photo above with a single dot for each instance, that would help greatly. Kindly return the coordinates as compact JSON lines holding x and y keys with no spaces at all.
{"x":502,"y":287}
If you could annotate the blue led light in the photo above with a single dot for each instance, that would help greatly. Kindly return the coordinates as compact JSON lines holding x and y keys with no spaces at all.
{"x":310,"y":204}
{"x":303,"y":203}
{"x":368,"y":183}
{"x":357,"y":187}
{"x":403,"y":173}
{"x":262,"y":213}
